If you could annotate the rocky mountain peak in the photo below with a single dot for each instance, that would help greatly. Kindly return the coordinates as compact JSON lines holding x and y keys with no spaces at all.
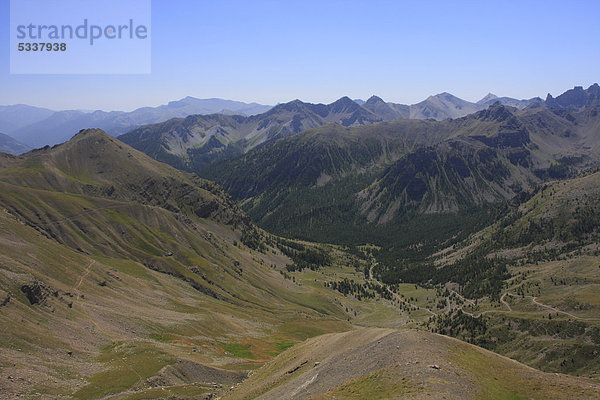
{"x":575,"y":98}
{"x":487,"y":97}
{"x":374,"y":100}
{"x":344,"y":104}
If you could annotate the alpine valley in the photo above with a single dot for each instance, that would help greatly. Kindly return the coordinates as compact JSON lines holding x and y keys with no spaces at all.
{"x":355,"y":250}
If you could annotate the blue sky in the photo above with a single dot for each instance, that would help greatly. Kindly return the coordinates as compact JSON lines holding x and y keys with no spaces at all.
{"x":318,"y":51}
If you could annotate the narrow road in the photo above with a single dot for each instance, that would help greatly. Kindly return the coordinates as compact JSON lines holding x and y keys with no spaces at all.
{"x":504,"y":301}
{"x":484,"y":312}
{"x":534,"y":300}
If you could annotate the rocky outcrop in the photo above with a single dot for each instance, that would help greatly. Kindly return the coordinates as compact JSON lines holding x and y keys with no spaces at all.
{"x":575,"y":98}
{"x":37,"y":292}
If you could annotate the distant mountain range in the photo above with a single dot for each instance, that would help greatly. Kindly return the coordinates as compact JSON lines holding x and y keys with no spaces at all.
{"x":439,"y":107}
{"x":12,"y":146}
{"x":378,"y":182}
{"x":37,"y":127}
{"x":197,"y":141}
{"x":18,"y":116}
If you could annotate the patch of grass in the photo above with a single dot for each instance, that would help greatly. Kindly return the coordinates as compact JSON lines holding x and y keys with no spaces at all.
{"x":161,"y":337}
{"x":258,"y":350}
{"x":191,"y":391}
{"x":382,"y":384}
{"x":501,"y":379}
{"x":302,"y":329}
{"x":239,"y":350}
{"x":318,"y":300}
{"x":128,"y":267}
{"x":127,"y":364}
{"x":281,"y":346}
{"x":495,"y":383}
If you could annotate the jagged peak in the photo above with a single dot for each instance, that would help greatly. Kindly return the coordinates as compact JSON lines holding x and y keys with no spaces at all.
{"x":576,"y":97}
{"x":594,"y":88}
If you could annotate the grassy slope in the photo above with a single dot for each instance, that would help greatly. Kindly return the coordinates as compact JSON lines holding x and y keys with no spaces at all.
{"x":133,"y":288}
{"x":400,"y":366}
{"x":143,"y":283}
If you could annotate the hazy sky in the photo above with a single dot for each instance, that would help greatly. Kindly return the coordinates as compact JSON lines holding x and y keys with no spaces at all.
{"x":318,"y":51}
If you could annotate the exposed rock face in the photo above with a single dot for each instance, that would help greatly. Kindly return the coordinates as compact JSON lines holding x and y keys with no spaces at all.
{"x":37,"y":292}
{"x":575,"y":98}
{"x":185,"y":372}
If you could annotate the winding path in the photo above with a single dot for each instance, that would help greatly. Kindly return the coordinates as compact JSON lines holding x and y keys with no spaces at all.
{"x":505,"y":302}
{"x":536,"y":302}
{"x":470,"y":302}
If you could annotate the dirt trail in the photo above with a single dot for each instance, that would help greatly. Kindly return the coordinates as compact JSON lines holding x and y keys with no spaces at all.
{"x":87,"y":212}
{"x":504,"y":301}
{"x":86,"y":273}
{"x":98,"y":326}
{"x":537,"y":303}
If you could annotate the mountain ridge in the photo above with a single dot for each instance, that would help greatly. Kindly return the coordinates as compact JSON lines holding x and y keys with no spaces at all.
{"x":197,"y":142}
{"x":54,"y":126}
{"x":374,"y":183}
